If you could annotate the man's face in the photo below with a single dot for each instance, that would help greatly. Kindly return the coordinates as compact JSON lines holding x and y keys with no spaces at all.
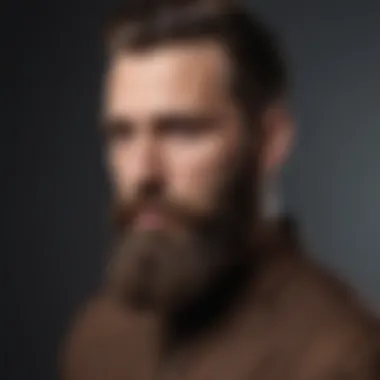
{"x":178,"y":158}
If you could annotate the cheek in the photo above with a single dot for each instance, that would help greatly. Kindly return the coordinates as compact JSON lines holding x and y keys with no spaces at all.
{"x":118,"y":171}
{"x":198,"y":171}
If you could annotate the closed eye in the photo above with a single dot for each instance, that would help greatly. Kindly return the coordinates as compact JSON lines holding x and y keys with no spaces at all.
{"x":185,"y":127}
{"x":116,"y":130}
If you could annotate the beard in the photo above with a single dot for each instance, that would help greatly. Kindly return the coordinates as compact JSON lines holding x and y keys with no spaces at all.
{"x":155,"y":271}
{"x":166,"y":270}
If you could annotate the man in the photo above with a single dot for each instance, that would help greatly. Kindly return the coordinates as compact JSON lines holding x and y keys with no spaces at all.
{"x":204,"y":283}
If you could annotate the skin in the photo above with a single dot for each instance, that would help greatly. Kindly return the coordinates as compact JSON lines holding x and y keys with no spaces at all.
{"x":169,"y":116}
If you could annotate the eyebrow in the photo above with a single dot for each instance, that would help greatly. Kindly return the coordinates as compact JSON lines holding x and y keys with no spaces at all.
{"x":207,"y":120}
{"x":197,"y":119}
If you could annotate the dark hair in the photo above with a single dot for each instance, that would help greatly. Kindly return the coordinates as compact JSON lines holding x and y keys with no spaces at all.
{"x":259,"y":73}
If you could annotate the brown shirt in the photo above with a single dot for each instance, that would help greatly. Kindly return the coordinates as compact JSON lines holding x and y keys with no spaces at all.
{"x":295,"y":321}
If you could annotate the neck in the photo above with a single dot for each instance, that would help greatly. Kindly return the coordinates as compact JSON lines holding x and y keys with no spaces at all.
{"x":211,"y":308}
{"x":226,"y":293}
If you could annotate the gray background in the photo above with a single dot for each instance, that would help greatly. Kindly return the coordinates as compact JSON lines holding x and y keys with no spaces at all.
{"x":55,"y":189}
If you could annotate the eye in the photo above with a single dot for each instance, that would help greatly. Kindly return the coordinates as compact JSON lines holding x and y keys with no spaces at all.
{"x":118,"y":130}
{"x":184,"y":127}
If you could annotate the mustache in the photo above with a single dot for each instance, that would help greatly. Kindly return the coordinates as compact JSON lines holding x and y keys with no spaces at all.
{"x":124,"y":212}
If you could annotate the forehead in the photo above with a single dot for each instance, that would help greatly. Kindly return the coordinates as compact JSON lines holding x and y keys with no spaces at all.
{"x":184,"y":77}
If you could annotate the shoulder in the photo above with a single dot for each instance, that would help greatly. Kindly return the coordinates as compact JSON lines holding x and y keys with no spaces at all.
{"x":343,"y":332}
{"x":87,"y":333}
{"x":92,"y":318}
{"x":329,"y":295}
{"x":100,"y":339}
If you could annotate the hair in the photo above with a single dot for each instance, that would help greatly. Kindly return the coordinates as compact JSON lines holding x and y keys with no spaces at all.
{"x":258,"y":69}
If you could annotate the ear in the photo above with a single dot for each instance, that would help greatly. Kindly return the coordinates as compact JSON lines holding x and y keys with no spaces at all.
{"x":277,"y":137}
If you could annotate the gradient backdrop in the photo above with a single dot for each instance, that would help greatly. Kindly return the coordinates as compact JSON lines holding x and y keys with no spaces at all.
{"x":55,"y":203}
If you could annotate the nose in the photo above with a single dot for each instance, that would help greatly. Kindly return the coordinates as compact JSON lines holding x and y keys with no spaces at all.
{"x":147,"y":164}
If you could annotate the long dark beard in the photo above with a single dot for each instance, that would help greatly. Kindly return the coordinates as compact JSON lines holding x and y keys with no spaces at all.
{"x":168,"y":272}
